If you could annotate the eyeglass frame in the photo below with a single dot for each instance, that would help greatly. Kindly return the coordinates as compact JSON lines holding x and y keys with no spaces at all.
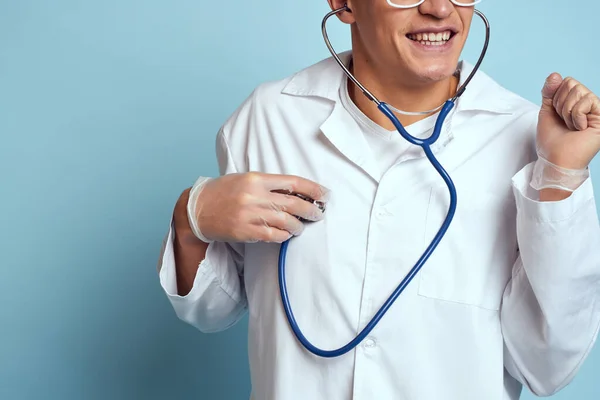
{"x":455,"y":2}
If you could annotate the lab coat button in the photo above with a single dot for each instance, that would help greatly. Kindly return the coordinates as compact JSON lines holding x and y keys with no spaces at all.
{"x":370,"y":343}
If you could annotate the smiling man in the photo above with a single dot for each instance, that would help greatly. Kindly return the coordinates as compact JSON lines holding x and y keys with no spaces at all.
{"x":510,"y":297}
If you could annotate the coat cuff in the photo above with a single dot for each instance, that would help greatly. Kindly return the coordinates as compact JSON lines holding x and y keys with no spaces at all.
{"x":528,"y":204}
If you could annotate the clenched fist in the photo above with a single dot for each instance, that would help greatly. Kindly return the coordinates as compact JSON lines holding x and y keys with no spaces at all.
{"x":568,"y":133}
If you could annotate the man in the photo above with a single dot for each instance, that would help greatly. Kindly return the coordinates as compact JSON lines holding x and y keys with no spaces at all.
{"x":509,"y":298}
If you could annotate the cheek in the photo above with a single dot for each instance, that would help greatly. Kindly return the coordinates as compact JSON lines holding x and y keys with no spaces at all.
{"x":466,"y":16}
{"x":379,"y":43}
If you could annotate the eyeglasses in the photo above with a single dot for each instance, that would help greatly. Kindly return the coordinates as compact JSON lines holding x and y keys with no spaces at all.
{"x":416,"y":3}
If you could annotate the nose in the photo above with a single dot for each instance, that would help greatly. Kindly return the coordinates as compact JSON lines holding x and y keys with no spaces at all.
{"x":437,"y":8}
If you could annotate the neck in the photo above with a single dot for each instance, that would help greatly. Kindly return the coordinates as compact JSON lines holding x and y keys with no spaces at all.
{"x":402,"y":96}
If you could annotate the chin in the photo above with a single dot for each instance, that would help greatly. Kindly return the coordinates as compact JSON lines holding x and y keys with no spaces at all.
{"x":435,"y":72}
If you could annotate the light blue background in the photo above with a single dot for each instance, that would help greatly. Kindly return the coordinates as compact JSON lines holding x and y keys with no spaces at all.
{"x":108,"y":110}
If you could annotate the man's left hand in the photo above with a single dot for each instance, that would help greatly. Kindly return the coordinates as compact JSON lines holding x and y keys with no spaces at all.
{"x":568,"y":133}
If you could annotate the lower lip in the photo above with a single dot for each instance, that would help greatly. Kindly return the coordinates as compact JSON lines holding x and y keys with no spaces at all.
{"x":433,"y":48}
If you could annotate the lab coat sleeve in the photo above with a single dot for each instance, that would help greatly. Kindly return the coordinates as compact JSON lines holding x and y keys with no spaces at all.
{"x":551,"y":307}
{"x":217,"y":299}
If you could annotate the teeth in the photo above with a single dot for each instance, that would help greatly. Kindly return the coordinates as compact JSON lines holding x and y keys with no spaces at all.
{"x":431,"y":39}
{"x":428,"y":43}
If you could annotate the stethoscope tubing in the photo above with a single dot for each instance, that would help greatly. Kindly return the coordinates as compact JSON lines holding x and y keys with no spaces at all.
{"x":425,"y":144}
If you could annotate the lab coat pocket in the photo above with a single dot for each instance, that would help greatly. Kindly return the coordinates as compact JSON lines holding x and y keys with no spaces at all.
{"x":473,"y":261}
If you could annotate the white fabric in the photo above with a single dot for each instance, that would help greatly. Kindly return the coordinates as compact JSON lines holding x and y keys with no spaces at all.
{"x":509,"y":298}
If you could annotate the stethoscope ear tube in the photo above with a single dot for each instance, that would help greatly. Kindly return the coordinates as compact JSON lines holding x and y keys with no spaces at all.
{"x":371,"y":96}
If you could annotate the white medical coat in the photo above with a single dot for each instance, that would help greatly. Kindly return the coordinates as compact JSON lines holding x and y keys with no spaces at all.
{"x":509,"y":298}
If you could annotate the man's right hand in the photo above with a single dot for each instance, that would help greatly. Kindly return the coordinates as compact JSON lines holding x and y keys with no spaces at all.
{"x":257,"y":207}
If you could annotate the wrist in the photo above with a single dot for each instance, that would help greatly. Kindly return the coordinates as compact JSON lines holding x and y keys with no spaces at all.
{"x":185,"y":236}
{"x":193,"y":208}
{"x":554,"y":181}
{"x":571,"y":164}
{"x":553,"y":194}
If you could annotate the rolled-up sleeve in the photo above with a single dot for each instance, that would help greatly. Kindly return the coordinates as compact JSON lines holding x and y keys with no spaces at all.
{"x":551,"y":310}
{"x":217,"y":299}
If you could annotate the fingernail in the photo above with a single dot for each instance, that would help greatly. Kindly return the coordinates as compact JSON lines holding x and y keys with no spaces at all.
{"x":319,"y":216}
{"x":325,"y":194}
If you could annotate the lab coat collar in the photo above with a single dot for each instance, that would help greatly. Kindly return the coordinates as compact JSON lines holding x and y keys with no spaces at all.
{"x":338,"y":129}
{"x":324,"y":78}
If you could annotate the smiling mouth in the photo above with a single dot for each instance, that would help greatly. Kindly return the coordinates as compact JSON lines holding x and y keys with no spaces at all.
{"x":432,"y":39}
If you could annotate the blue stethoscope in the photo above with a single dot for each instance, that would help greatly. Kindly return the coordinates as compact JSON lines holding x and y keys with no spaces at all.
{"x":425,"y":144}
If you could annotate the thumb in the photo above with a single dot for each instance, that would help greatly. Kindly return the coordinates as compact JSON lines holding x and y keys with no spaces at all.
{"x":550,"y":88}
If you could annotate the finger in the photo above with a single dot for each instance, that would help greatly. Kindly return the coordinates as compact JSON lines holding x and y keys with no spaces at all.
{"x":296,"y":184}
{"x":284,"y":221}
{"x":561,"y":94}
{"x":295,"y":206}
{"x":271,"y":223}
{"x":581,"y":110}
{"x":550,"y":87}
{"x":566,"y":110}
{"x":269,"y":234}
